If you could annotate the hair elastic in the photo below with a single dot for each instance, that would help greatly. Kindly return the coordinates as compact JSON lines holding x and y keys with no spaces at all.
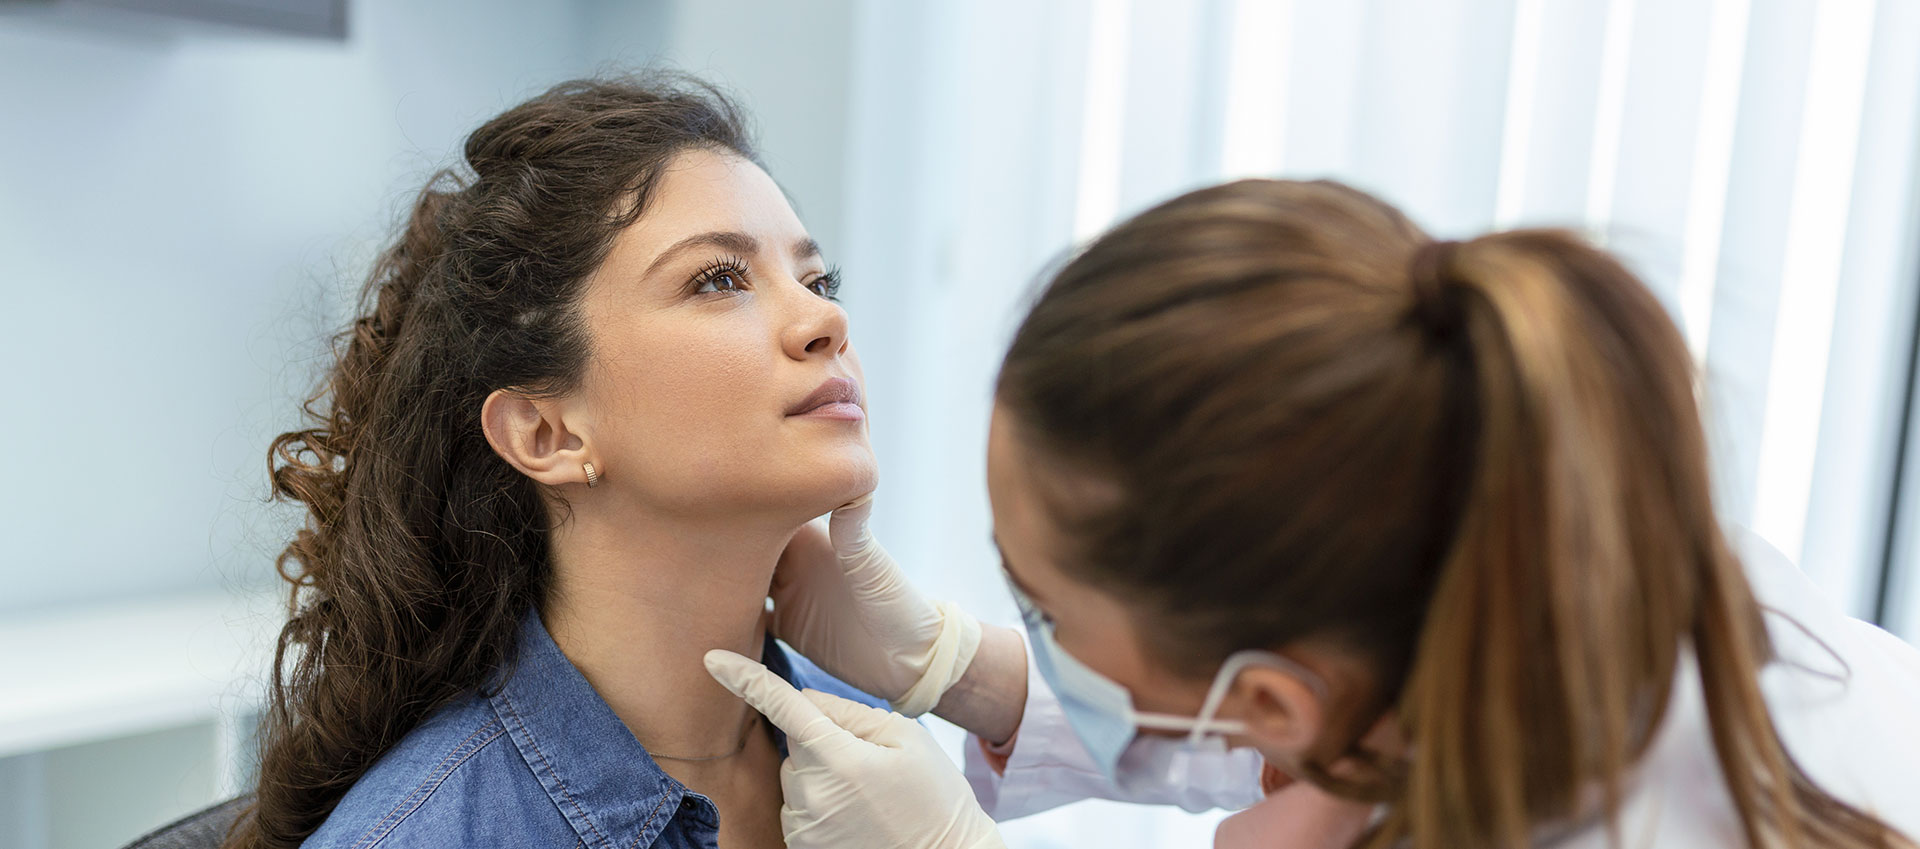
{"x":1433,"y":304}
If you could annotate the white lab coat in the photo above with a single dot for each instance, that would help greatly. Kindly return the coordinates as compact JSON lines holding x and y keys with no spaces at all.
{"x":1851,"y":718}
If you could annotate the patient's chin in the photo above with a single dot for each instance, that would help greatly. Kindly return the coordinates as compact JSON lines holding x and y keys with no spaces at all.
{"x":791,"y":485}
{"x":842,"y":478}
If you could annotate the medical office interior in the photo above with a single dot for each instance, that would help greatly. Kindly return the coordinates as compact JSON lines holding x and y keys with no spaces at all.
{"x":190,"y":199}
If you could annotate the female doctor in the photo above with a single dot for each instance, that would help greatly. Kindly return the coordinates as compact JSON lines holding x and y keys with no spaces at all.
{"x":1289,"y":493}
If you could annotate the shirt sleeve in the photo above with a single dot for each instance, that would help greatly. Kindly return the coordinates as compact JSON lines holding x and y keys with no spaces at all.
{"x":1045,"y":766}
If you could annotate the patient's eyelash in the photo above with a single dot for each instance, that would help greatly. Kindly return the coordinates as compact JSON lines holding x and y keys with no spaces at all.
{"x":827,"y":285}
{"x":728,"y":268}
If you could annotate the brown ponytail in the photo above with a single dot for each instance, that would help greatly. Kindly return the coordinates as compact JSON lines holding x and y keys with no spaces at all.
{"x":422,"y":548}
{"x":1480,"y":465}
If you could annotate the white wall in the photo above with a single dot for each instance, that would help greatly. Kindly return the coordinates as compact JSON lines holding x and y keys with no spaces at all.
{"x":183,"y":212}
{"x":787,"y":63}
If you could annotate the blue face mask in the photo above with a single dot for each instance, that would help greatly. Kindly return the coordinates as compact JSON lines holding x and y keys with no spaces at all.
{"x":1101,"y":712}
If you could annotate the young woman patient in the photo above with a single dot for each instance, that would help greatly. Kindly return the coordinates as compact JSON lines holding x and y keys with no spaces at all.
{"x":598,"y":383}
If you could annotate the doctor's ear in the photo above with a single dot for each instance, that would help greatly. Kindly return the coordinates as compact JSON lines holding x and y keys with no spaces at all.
{"x":538,"y":436}
{"x":1280,"y":709}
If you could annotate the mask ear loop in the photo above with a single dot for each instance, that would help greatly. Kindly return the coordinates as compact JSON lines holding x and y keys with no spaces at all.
{"x":1180,"y":767}
{"x":1223,"y":682}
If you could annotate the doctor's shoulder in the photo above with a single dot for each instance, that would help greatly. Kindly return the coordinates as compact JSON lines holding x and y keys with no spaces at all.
{"x":1844,"y":693}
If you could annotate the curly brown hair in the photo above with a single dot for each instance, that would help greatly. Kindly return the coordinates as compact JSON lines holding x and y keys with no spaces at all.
{"x":422,"y":548}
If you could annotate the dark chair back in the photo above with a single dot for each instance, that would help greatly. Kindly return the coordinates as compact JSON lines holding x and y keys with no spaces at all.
{"x":203,"y":829}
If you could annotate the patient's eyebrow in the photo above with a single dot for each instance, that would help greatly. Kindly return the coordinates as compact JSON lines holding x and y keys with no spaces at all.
{"x":806,"y":248}
{"x":736,"y":242}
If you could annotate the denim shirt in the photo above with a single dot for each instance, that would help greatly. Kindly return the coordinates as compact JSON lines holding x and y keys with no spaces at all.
{"x":542,"y":762}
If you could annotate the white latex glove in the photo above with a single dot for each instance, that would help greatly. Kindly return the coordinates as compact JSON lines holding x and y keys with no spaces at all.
{"x":839,"y":599}
{"x":857,"y":776}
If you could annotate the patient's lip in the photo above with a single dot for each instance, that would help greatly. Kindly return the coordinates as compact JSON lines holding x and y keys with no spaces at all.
{"x":837,"y":398}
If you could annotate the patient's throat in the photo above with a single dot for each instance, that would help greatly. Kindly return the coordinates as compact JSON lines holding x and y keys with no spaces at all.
{"x":745,"y":789}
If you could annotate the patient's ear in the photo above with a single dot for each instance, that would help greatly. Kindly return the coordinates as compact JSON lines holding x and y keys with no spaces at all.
{"x":537,"y":436}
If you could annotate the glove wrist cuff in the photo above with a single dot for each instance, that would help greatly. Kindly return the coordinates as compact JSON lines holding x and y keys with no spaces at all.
{"x":947,"y":661}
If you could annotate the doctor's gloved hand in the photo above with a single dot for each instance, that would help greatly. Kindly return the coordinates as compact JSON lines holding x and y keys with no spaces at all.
{"x":856,"y":776}
{"x":839,"y":599}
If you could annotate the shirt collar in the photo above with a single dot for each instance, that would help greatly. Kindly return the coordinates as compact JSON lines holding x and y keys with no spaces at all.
{"x":599,"y":777}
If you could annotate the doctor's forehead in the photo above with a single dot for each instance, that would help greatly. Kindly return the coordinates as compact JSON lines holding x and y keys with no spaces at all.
{"x":1010,"y":491}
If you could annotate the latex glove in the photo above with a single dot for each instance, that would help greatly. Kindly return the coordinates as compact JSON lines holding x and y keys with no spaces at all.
{"x":839,"y":599}
{"x":857,"y":776}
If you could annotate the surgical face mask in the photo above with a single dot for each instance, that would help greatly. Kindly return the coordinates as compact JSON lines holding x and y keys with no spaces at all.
{"x":1101,"y":712}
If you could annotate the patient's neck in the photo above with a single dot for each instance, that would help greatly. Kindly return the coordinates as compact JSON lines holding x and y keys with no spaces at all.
{"x":638,"y":601}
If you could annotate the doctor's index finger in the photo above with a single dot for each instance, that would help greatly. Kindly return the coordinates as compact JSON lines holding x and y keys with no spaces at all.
{"x":774,"y":698}
{"x":867,"y":723}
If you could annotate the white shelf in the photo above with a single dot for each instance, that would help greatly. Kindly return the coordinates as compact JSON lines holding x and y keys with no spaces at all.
{"x":110,"y":670}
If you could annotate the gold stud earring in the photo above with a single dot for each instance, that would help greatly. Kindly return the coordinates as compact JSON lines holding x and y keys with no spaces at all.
{"x":593,"y":477}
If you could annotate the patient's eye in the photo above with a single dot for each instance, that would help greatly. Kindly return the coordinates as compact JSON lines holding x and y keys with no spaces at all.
{"x":827,"y":285}
{"x":727,"y":275}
